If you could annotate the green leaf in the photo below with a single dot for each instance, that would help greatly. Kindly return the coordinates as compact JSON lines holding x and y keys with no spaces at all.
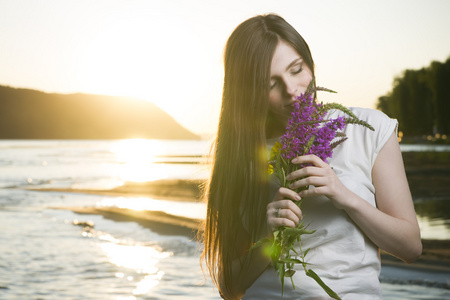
{"x":297,"y":231}
{"x":289,"y":273}
{"x":283,"y":179}
{"x":292,"y":231}
{"x":319,"y":88}
{"x":291,"y":260}
{"x":326,"y":288}
{"x":306,"y":252}
{"x":276,"y":233}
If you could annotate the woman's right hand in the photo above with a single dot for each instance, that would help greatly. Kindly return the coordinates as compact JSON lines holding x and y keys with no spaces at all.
{"x":282,"y":211}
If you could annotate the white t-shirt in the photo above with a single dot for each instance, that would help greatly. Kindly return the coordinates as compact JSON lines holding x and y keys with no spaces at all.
{"x":345,"y":259}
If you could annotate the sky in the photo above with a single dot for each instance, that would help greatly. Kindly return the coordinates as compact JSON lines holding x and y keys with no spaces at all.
{"x":170,"y":52}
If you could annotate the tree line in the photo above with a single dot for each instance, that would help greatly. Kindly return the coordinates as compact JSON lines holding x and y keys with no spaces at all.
{"x":420,"y":100}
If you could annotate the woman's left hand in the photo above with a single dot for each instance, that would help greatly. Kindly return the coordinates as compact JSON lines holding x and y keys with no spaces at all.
{"x":322,"y":177}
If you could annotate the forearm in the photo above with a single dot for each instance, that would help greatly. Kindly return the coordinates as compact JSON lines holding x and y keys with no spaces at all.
{"x":400,"y":237}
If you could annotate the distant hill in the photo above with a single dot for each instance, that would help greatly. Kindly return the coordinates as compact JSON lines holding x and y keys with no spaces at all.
{"x":31,"y":114}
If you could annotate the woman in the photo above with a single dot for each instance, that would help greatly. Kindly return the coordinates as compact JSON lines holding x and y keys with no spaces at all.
{"x":360,"y":204}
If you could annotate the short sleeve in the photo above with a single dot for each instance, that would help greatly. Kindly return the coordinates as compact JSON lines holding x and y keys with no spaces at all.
{"x":383,"y":126}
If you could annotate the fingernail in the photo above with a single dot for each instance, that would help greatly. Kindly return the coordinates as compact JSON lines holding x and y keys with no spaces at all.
{"x":298,"y":197}
{"x":294,"y":161}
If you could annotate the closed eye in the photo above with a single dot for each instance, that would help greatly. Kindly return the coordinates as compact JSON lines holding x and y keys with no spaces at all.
{"x":297,"y":69}
{"x":273,"y":84}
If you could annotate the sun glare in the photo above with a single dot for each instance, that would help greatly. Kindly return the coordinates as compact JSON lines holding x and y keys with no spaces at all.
{"x":142,"y":259}
{"x":194,"y":210}
{"x":129,"y":55}
{"x":136,"y":158}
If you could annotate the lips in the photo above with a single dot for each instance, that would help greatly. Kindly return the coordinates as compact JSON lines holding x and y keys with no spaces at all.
{"x":291,"y":104}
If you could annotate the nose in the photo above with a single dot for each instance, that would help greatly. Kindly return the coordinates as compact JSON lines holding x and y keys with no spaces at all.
{"x":291,"y":87}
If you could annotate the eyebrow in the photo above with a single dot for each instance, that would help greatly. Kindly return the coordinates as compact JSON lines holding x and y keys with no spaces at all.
{"x":295,"y":61}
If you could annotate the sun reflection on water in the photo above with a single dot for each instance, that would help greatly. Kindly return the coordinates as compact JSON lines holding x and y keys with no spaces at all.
{"x":140,"y":258}
{"x":430,"y":228}
{"x":194,"y":210}
{"x":137,"y":157}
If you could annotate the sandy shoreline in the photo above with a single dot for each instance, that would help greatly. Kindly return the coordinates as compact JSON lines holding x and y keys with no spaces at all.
{"x":177,"y":190}
{"x":158,"y":221}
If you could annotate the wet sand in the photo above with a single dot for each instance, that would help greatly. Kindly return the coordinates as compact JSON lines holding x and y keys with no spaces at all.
{"x":158,"y":221}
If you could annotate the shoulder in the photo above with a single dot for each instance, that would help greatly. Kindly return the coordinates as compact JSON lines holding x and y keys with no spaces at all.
{"x":383,"y":125}
{"x":369,"y":114}
{"x":381,"y":122}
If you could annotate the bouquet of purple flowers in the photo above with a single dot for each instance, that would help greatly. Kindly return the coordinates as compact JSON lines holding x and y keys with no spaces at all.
{"x":308,"y":132}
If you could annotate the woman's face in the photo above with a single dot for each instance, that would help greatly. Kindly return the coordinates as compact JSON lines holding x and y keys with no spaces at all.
{"x":289,"y":77}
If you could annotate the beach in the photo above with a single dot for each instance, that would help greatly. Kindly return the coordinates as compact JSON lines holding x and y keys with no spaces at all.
{"x":95,"y":214}
{"x":435,"y":254}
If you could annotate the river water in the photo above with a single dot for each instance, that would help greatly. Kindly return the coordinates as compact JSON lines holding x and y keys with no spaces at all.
{"x":43,"y":255}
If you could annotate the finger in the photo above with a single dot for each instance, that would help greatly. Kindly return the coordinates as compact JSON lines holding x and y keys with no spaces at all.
{"x":288,"y":214}
{"x":284,"y":193}
{"x":316,"y":191}
{"x":307,"y":171}
{"x":311,"y":158}
{"x":313,"y":180}
{"x":284,"y":217}
{"x":281,"y":222}
{"x":284,"y":206}
{"x":284,"y":222}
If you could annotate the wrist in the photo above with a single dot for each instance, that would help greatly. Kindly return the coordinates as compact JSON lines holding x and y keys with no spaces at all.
{"x":351,"y":203}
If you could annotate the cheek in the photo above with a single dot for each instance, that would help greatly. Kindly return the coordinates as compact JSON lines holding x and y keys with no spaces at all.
{"x":306,"y":77}
{"x":275,"y":101}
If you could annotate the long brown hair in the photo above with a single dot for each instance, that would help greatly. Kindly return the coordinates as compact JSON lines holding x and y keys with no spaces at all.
{"x":237,"y":193}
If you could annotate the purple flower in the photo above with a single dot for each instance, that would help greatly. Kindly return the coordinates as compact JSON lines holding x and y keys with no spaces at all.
{"x":308,"y":123}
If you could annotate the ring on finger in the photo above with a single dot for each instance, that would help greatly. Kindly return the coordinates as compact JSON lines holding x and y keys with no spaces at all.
{"x":277,"y":212}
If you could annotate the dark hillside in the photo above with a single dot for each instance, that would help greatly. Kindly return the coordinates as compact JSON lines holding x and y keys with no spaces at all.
{"x":31,"y":114}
